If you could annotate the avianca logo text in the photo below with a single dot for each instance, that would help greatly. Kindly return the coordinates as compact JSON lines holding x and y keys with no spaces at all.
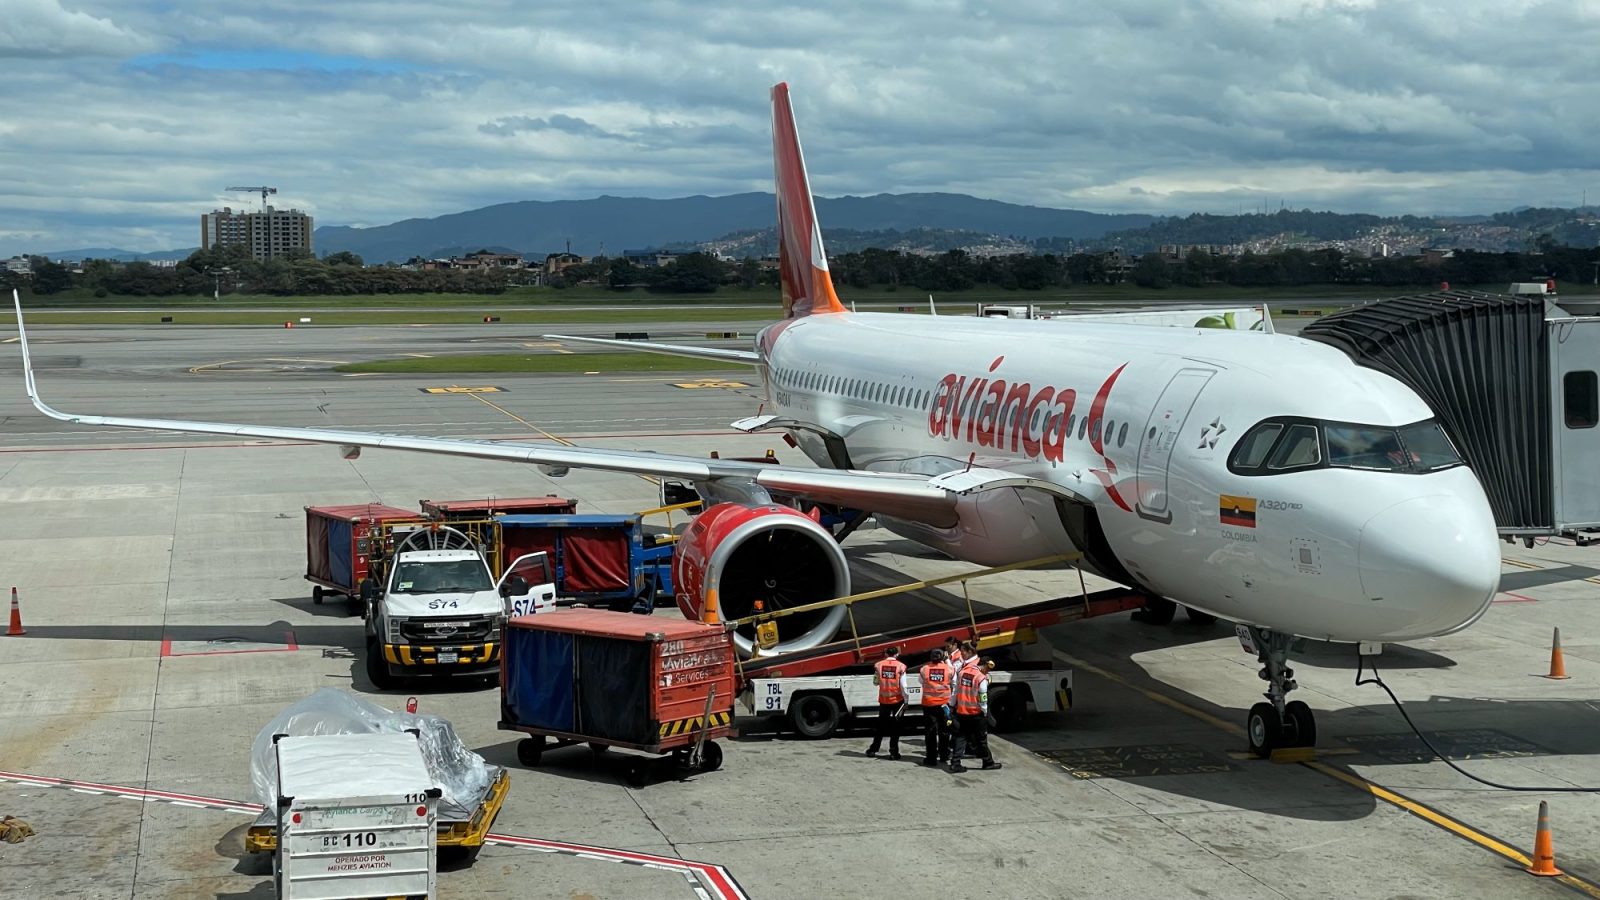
{"x":990,"y":412}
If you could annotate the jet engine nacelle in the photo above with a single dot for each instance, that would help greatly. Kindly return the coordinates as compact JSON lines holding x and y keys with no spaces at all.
{"x":774,"y":554}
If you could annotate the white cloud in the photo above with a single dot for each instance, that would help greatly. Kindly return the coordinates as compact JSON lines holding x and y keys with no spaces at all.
{"x":365,"y":112}
{"x":45,"y":29}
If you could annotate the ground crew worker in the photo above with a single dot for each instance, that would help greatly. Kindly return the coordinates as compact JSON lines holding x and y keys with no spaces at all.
{"x":969,"y":656}
{"x":937,"y":681}
{"x":952,"y":653}
{"x":889,"y":674}
{"x":972,"y":717}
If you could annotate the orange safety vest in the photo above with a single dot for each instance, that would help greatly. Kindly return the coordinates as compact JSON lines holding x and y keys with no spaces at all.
{"x":936,"y":683}
{"x":889,"y":673}
{"x":954,"y":659}
{"x":970,"y":686}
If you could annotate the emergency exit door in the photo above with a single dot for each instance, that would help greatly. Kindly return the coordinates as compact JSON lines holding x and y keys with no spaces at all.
{"x":1160,"y":436}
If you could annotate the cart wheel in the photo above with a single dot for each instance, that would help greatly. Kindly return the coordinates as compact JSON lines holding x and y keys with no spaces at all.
{"x":530,"y":751}
{"x":317,"y":595}
{"x":636,"y":772}
{"x":1010,"y":709}
{"x":598,"y":747}
{"x":459,"y":856}
{"x":710,"y":757}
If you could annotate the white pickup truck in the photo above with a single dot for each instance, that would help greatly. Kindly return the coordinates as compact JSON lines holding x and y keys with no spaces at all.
{"x":440,"y":610}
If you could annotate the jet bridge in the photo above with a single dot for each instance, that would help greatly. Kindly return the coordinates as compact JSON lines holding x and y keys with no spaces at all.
{"x":1513,"y":379}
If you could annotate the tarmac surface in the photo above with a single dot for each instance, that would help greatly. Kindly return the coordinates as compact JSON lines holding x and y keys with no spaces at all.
{"x":146,"y":562}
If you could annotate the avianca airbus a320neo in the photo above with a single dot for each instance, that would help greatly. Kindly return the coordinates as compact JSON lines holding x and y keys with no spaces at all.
{"x":1258,"y":477}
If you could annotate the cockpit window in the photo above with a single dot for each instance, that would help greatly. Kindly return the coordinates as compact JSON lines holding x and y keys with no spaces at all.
{"x":1297,"y":449}
{"x":1364,"y":447}
{"x":1253,"y":448}
{"x":1428,"y":447}
{"x":1290,"y":444}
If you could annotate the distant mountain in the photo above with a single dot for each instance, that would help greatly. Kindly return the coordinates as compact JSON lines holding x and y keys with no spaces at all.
{"x":119,"y":254}
{"x":536,"y":227}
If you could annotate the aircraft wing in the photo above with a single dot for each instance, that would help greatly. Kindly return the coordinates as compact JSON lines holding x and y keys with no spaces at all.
{"x":744,"y":357}
{"x":915,"y":497}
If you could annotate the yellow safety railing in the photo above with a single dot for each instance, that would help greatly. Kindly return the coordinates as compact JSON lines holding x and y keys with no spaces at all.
{"x":849,"y":601}
{"x":667,"y":511}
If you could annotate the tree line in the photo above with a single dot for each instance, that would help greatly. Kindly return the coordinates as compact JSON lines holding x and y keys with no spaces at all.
{"x":230,"y":270}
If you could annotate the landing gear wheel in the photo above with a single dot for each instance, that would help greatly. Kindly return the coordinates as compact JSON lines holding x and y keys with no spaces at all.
{"x":377,"y":669}
{"x":1264,"y":730}
{"x":1302,"y":723}
{"x":317,"y":594}
{"x":530,"y":751}
{"x":710,"y":757}
{"x":1156,"y":611}
{"x":814,"y":716}
{"x":637,"y":772}
{"x":1198,"y":617}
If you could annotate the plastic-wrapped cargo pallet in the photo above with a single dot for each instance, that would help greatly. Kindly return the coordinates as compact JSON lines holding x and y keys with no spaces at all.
{"x":462,"y":775}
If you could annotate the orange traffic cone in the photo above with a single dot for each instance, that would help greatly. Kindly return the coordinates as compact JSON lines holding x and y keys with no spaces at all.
{"x":15,"y":628}
{"x":1544,"y":850}
{"x":1558,"y":663}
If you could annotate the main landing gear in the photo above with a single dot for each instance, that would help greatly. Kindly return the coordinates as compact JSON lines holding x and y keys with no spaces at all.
{"x":1277,"y":723}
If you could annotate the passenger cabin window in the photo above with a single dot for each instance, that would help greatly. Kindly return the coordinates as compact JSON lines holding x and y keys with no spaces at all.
{"x":1580,"y":396}
{"x":1286,"y":445}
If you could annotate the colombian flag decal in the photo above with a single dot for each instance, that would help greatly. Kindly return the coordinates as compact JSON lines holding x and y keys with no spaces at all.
{"x":1239,"y":512}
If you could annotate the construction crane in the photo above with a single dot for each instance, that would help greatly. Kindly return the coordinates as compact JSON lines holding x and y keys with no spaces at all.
{"x":264,"y":192}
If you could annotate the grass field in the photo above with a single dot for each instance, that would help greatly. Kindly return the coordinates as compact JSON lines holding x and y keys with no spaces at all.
{"x":489,"y":363}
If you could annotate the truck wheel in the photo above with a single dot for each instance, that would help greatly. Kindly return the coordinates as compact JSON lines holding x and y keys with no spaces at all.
{"x":530,"y":751}
{"x":814,"y":716}
{"x":377,"y":669}
{"x":317,"y":595}
{"x":710,"y":757}
{"x":1010,"y":708}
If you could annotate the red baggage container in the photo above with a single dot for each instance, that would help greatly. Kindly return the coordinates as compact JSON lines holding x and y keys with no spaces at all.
{"x":338,"y":545}
{"x":497,"y":506}
{"x":618,"y":679}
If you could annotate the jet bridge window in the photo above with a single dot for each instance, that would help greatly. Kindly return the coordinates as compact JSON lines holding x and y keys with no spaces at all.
{"x":1580,"y":395}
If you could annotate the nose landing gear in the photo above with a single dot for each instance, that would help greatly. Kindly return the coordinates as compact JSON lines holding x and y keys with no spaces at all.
{"x":1277,"y":723}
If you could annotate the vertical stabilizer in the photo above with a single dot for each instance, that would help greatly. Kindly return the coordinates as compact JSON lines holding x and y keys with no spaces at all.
{"x":802,"y":265}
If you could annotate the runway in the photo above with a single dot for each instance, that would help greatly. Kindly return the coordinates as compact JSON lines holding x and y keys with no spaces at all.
{"x":122,"y":543}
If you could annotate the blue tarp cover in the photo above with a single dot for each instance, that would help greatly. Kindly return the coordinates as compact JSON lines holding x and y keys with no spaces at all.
{"x":539,"y":684}
{"x":340,"y":562}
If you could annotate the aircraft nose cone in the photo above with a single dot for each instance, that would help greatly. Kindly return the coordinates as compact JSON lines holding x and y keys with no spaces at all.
{"x":1434,"y":560}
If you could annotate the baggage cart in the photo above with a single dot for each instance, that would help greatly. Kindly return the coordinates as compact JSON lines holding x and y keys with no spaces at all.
{"x":600,"y":560}
{"x":355,"y":818}
{"x":654,"y":684}
{"x":342,"y":544}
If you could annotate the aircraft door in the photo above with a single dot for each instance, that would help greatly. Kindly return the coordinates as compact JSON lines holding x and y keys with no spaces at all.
{"x":1160,"y":436}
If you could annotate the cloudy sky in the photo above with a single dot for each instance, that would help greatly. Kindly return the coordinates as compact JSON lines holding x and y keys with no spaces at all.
{"x":122,"y":120}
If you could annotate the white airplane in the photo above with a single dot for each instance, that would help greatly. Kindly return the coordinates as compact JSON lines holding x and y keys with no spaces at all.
{"x":1258,"y":477}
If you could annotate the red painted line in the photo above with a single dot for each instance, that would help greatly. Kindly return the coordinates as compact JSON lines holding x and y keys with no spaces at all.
{"x":138,"y":792}
{"x":714,"y":877}
{"x":1515,"y":598}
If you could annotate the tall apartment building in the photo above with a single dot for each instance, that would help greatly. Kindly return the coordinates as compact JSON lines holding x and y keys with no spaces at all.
{"x":267,"y":234}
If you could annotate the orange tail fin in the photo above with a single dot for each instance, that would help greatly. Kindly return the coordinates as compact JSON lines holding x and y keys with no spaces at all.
{"x":802,"y":265}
